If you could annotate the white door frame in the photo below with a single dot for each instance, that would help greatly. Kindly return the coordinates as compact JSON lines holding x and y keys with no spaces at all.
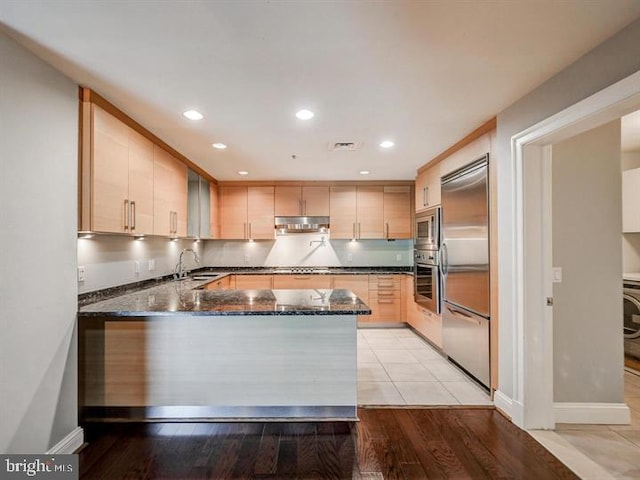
{"x":531,"y":404}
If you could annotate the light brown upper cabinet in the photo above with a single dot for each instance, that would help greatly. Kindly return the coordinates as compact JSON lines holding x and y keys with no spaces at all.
{"x":121,"y":166}
{"x":428,"y":188}
{"x":246,"y":213}
{"x":397,"y":212}
{"x":169,"y":194}
{"x":291,"y":201}
{"x":357,"y":212}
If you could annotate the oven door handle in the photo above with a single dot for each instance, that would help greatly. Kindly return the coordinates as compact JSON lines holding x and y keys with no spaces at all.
{"x":444,"y":259}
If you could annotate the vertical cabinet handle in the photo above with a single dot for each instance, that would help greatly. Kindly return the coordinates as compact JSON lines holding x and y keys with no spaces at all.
{"x":354,"y":230}
{"x":359,"y":231}
{"x":387,"y":232}
{"x":126,"y":214}
{"x":249,"y":230}
{"x":244,"y":235}
{"x":304,"y":207}
{"x":133,"y":215}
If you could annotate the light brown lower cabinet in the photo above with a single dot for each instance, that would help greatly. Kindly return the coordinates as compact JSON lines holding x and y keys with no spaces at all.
{"x":253,"y":282}
{"x":301,"y":281}
{"x":425,"y":321}
{"x":385,"y":298}
{"x":225,"y":283}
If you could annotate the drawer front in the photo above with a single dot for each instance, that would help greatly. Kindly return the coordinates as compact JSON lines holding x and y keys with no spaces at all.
{"x":384,"y":282}
{"x":301,"y":281}
{"x":386,"y":306}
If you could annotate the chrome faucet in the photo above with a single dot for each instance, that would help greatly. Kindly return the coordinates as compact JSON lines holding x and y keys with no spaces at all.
{"x":179,"y":271}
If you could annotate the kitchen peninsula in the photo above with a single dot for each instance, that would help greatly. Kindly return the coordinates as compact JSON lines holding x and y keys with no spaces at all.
{"x":180,"y":351}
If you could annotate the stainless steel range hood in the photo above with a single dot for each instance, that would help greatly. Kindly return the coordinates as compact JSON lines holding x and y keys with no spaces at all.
{"x":285,"y":225}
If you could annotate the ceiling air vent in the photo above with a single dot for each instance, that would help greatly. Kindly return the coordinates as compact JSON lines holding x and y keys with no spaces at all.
{"x":344,"y":146}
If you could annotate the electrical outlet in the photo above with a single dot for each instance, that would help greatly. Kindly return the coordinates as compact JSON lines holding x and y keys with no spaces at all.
{"x":557,"y":274}
{"x":151,"y":265}
{"x":81,"y":274}
{"x":398,"y":257}
{"x":246,"y":259}
{"x":349,"y":257}
{"x":136,"y":267}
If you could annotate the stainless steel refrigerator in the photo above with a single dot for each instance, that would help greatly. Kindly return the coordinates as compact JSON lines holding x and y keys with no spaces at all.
{"x":465,"y":268}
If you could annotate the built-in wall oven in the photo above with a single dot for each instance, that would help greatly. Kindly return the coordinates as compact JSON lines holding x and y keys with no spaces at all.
{"x":427,"y":281}
{"x":426,"y":277}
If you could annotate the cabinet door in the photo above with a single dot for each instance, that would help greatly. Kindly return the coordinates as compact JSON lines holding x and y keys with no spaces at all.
{"x":315,"y":201}
{"x":169,"y":194}
{"x":214,"y":211}
{"x":260,"y":213}
{"x":140,"y":183}
{"x":253,"y":282}
{"x":343,"y":211}
{"x":631,"y":200}
{"x":110,"y":172}
{"x":233,"y":212}
{"x":434,"y":186}
{"x":301,"y":281}
{"x":397,"y":212}
{"x":179,"y":196}
{"x":288,"y":201}
{"x":370,"y":204}
{"x":422,"y":181}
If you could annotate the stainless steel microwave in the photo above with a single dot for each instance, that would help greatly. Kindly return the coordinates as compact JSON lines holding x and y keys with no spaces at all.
{"x":427,"y":231}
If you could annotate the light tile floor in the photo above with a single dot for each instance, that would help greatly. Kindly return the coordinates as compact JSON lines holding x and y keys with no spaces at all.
{"x":397,"y":367}
{"x":611,"y":451}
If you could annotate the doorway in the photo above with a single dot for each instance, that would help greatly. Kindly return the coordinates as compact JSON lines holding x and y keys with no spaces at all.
{"x":532,"y":403}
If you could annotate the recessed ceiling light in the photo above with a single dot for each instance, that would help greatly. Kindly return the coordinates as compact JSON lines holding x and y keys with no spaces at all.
{"x":193,"y":115}
{"x":364,"y":172}
{"x":387,"y":144}
{"x":219,"y":146}
{"x":304,"y":114}
{"x":243,"y":172}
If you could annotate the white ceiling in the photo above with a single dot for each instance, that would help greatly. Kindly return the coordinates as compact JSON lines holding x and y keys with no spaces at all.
{"x":422,"y":73}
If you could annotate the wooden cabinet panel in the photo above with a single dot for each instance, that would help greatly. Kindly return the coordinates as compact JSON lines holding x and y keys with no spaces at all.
{"x":233,"y":212}
{"x":140,"y":183}
{"x":315,"y":201}
{"x":301,"y":281}
{"x":225,"y":283}
{"x":288,"y":201}
{"x":214,"y":211}
{"x":169,"y":194}
{"x":428,"y":190}
{"x":110,"y":173}
{"x":343,"y":212}
{"x":260,"y":201}
{"x":397,"y":212}
{"x":254,"y":282}
{"x":291,"y":201}
{"x":428,"y":324}
{"x":370,"y":204}
{"x":385,"y":298}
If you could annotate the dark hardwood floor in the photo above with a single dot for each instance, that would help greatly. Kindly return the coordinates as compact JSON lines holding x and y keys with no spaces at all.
{"x":386,"y":443}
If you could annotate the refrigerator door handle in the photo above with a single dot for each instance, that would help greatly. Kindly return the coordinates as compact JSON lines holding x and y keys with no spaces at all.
{"x":444,"y":259}
{"x":463,"y":315}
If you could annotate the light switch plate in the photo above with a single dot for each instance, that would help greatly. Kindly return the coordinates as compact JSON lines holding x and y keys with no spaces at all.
{"x":81,"y":274}
{"x":136,"y":267}
{"x":398,"y":257}
{"x":349,"y":257}
{"x":152,"y":265}
{"x":557,"y":274}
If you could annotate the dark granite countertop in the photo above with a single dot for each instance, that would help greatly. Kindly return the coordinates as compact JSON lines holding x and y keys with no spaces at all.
{"x":114,"y":293}
{"x":185,"y":298}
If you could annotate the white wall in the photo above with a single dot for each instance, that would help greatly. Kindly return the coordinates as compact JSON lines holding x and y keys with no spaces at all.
{"x":611,"y":61}
{"x":38,"y":295}
{"x":587,"y":307}
{"x":110,"y":260}
{"x":295,"y":249}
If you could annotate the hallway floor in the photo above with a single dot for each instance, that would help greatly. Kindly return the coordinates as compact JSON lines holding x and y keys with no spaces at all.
{"x":397,"y":367}
{"x":600,"y":452}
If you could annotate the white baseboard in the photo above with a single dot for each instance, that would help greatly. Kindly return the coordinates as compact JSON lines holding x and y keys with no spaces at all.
{"x":68,"y":444}
{"x":592,"y":413}
{"x":503,"y":402}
